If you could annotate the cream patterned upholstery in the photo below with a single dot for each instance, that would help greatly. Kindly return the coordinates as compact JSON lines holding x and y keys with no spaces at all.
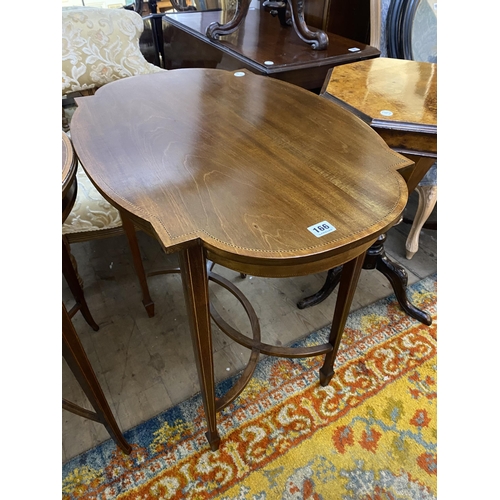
{"x":91,"y":212}
{"x":98,"y":46}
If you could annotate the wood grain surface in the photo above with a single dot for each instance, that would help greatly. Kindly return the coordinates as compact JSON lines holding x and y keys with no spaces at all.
{"x":68,"y":164}
{"x":260,"y":38}
{"x":407,"y":89}
{"x":242,"y":165}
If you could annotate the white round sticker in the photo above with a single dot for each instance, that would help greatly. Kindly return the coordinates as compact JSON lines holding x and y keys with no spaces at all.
{"x":239,"y":73}
{"x":386,"y":112}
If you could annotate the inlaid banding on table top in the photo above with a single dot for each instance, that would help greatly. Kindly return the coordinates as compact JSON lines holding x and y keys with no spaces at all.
{"x":249,"y":163}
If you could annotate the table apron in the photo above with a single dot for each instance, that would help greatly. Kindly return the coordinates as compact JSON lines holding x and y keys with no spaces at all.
{"x":267,"y":269}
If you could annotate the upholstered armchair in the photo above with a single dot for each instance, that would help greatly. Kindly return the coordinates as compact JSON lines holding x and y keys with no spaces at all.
{"x":100,"y":46}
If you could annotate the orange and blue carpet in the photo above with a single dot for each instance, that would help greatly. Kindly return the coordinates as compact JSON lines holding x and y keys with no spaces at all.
{"x":371,"y":434}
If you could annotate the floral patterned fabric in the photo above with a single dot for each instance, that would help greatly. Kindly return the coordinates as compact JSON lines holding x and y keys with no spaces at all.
{"x":91,"y":211}
{"x":100,"y":46}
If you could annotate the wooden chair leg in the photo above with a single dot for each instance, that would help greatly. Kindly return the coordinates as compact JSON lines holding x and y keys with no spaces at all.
{"x":427,"y":197}
{"x":75,"y":286}
{"x":79,"y":364}
{"x":128,"y":227}
{"x":65,"y":121}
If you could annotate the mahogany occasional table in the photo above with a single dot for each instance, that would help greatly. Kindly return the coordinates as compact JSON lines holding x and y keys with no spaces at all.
{"x":251,"y":173}
{"x":398,"y":98}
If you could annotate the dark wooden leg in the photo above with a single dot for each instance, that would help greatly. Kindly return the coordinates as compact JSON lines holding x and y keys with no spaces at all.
{"x":195,"y":284}
{"x":317,"y":39}
{"x":376,"y":258}
{"x":280,"y":8}
{"x":129,"y":229}
{"x":331,"y":282}
{"x":348,"y":281}
{"x":214,"y":30}
{"x":79,"y":364}
{"x":71,"y":277}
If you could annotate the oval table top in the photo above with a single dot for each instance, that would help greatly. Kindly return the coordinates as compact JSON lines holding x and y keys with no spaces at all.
{"x":68,"y":164}
{"x":242,"y":164}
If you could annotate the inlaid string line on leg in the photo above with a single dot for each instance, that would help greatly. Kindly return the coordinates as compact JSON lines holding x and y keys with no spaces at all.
{"x":348,"y":281}
{"x":195,"y":286}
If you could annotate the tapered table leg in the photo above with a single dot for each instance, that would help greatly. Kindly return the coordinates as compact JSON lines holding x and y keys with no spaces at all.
{"x":348,"y":281}
{"x":129,"y":229}
{"x":74,"y":285}
{"x":79,"y":364}
{"x":317,"y":39}
{"x":195,"y":284}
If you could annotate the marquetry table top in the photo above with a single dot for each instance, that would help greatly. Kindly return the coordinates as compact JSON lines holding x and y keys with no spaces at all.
{"x":398,"y":98}
{"x":247,"y":166}
{"x":391,"y":92}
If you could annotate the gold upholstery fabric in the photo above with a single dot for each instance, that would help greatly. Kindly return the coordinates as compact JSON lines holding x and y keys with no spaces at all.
{"x":100,"y":46}
{"x":91,"y":211}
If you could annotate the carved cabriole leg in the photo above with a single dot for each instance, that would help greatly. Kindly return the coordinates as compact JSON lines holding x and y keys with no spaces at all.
{"x":376,"y":258}
{"x":317,"y":39}
{"x":214,"y":30}
{"x":195,"y":285}
{"x":129,"y":229}
{"x":348,"y":281}
{"x":72,"y":278}
{"x":427,"y":197}
{"x":79,"y":364}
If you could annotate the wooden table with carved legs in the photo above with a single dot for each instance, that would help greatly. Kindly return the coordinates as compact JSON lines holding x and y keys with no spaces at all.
{"x":398,"y":99}
{"x":247,"y":172}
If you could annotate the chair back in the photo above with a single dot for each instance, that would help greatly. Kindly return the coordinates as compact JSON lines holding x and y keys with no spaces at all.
{"x":100,"y":46}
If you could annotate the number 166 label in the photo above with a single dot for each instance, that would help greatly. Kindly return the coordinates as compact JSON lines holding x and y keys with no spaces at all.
{"x":321,"y":228}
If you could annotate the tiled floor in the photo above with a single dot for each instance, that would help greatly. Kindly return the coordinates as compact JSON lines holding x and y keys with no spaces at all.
{"x":146,"y":365}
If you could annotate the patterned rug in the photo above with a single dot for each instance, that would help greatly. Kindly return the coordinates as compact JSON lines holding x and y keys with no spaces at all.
{"x":369,"y":435}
